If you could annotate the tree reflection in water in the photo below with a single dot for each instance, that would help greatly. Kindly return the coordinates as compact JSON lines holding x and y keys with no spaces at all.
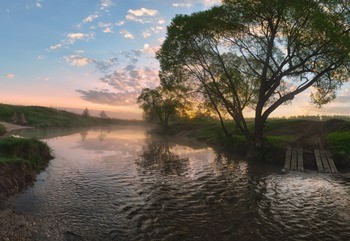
{"x":158,"y":158}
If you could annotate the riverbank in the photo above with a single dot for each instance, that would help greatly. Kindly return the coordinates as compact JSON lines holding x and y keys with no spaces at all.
{"x":20,"y":160}
{"x":8,"y":127}
{"x":310,"y":134}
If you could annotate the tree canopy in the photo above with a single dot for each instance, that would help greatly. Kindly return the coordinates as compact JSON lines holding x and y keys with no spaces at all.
{"x":158,"y":106}
{"x":258,"y":55}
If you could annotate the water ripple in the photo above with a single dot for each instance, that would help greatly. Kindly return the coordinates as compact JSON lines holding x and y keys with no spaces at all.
{"x":148,"y":188}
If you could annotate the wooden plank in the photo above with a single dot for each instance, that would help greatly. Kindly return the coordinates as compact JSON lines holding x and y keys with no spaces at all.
{"x":288,"y":157}
{"x":300,"y":160}
{"x":331,"y":162}
{"x":326,"y":166}
{"x":318,"y":161}
{"x":293,"y":165}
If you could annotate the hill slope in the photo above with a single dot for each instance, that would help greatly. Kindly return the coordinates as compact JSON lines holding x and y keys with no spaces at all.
{"x":38,"y":116}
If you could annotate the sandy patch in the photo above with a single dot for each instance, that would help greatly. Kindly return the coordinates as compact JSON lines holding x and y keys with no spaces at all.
{"x":10,"y":127}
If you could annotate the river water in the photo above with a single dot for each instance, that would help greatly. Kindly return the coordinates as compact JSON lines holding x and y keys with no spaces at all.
{"x":123,"y":184}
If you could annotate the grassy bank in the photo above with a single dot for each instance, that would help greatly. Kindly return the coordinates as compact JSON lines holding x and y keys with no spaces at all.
{"x":20,"y":160}
{"x":337,"y":139}
{"x":38,"y":116}
{"x":309,"y":133}
{"x":2,"y":129}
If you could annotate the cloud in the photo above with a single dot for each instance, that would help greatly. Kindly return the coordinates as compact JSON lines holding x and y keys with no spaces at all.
{"x":127,"y":34}
{"x":105,"y":4}
{"x":209,"y":3}
{"x":342,"y":99}
{"x":161,"y":21}
{"x":124,"y":84}
{"x":77,"y":60}
{"x":106,"y":27}
{"x":107,"y":30}
{"x":54,"y":47}
{"x":182,"y":5}
{"x":120,"y":23}
{"x":153,"y":30}
{"x":146,"y":34}
{"x":190,"y":3}
{"x":72,"y":37}
{"x":9,"y":76}
{"x":107,"y":97}
{"x":105,"y":65}
{"x":131,"y":56}
{"x":90,"y":18}
{"x":35,"y":4}
{"x":142,"y":15}
{"x":151,"y":50}
{"x":40,"y":57}
{"x":143,"y":12}
{"x":131,"y":79}
{"x":38,"y":5}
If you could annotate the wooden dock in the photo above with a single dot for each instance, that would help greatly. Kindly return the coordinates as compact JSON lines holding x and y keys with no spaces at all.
{"x":325,"y":162}
{"x":294,"y":160}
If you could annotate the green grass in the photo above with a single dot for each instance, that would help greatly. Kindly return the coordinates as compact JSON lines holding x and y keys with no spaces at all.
{"x":32,"y":151}
{"x":279,"y":133}
{"x":38,"y":116}
{"x":2,"y":129}
{"x":339,"y":143}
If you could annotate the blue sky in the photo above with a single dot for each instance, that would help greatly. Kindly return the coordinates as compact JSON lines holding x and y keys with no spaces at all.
{"x":94,"y":53}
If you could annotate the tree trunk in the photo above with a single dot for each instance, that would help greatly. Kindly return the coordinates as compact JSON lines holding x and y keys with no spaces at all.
{"x":258,"y":132}
{"x":256,"y":151}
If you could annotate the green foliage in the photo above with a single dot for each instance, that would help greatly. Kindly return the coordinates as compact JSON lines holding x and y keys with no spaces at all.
{"x":246,"y":54}
{"x":86,"y":113}
{"x":158,"y":106}
{"x":2,"y":129}
{"x":103,"y":115}
{"x":33,"y":151}
{"x":339,"y":143}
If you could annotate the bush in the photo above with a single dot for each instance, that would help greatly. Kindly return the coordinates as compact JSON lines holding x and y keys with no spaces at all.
{"x":339,"y":144}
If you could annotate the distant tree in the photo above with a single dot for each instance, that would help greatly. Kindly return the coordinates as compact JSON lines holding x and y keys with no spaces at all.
{"x":259,"y":55}
{"x":103,"y":115}
{"x":86,"y":113}
{"x":158,"y":106}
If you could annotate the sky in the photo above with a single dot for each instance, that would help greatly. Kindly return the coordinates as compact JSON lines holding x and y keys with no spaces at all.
{"x":97,"y":54}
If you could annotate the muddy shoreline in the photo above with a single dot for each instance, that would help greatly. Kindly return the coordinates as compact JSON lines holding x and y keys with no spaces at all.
{"x":15,"y":178}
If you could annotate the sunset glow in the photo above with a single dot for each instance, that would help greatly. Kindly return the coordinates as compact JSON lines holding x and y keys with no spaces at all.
{"x":98,"y":54}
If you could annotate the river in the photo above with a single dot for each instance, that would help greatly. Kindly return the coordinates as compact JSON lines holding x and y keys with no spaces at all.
{"x":122,"y":184}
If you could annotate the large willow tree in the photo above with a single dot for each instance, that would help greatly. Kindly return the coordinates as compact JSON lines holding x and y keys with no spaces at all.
{"x":259,"y":54}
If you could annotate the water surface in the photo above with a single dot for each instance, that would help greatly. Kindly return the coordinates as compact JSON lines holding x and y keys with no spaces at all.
{"x":122,"y":184}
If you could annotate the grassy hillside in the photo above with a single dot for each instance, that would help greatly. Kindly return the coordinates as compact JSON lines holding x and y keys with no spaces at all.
{"x":49,"y":117}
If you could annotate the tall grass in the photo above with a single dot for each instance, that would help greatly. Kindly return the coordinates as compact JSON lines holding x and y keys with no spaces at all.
{"x":33,"y":151}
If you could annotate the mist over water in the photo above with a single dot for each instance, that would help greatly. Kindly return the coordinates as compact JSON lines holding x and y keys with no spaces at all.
{"x":123,"y":184}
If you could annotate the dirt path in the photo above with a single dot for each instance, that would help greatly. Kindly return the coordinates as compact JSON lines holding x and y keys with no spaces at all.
{"x":10,"y":127}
